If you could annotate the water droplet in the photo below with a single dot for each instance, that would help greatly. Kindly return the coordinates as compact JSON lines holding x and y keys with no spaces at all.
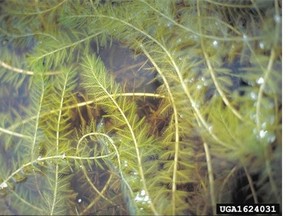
{"x":39,"y":158}
{"x":79,"y":200}
{"x":63,"y":156}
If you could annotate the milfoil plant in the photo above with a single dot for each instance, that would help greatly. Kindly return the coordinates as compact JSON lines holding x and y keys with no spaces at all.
{"x":196,"y":122}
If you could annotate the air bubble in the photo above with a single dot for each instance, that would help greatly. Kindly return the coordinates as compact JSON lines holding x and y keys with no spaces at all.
{"x":271,"y":119}
{"x":253,"y":116}
{"x":266,"y":136}
{"x":179,"y":40}
{"x":100,"y":125}
{"x":206,"y":83}
{"x":199,"y":86}
{"x":125,"y":163}
{"x":195,"y":105}
{"x":142,"y":197}
{"x":262,"y":133}
{"x":142,"y":193}
{"x":260,"y":80}
{"x":3,"y":185}
{"x":215,"y":43}
{"x":245,"y":37}
{"x":253,"y":95}
{"x":169,"y":24}
{"x":277,"y":18}
{"x":261,"y":45}
{"x":264,"y":125}
{"x":4,"y":42}
{"x":210,"y":128}
{"x":271,"y":138}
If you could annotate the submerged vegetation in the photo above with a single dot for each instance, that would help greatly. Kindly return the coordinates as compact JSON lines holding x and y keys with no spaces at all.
{"x":139,"y":107}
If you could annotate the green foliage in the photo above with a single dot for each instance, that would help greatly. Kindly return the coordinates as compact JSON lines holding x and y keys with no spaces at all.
{"x":77,"y":138}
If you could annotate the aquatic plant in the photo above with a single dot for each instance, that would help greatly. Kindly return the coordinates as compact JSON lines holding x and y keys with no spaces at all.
{"x":186,"y":115}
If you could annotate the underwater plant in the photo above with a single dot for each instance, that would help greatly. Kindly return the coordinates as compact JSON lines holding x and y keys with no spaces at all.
{"x":163,"y":107}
